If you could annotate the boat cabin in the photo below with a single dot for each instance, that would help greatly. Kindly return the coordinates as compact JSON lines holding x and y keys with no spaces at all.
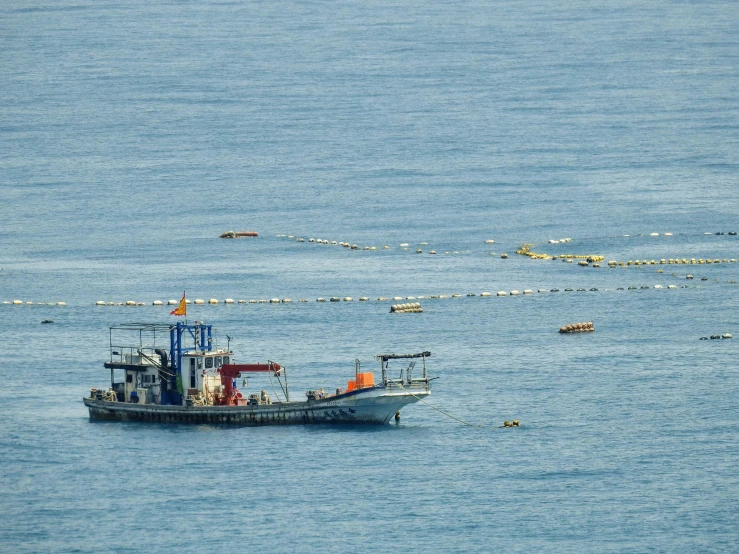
{"x":143,"y":372}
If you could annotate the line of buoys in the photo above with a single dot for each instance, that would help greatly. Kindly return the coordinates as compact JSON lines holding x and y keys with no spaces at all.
{"x":349,"y":245}
{"x":525,"y":250}
{"x":590,"y":258}
{"x":585,"y":327}
{"x":413,"y":307}
{"x":671,"y":261}
{"x":229,"y":301}
{"x":714,"y":337}
{"x":27,"y":303}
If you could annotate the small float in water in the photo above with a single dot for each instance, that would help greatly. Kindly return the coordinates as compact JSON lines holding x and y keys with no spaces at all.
{"x":238,"y":234}
{"x":585,"y":327}
{"x":191,"y":380}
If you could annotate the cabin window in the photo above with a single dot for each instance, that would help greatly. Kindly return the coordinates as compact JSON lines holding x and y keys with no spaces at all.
{"x":129,"y":378}
{"x":208,"y":363}
{"x":225,"y":360}
{"x":192,"y":377}
{"x":200,"y":363}
{"x":218,"y":361}
{"x":192,"y":364}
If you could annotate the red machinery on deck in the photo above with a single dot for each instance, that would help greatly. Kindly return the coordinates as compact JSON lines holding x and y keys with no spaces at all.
{"x":229,"y":372}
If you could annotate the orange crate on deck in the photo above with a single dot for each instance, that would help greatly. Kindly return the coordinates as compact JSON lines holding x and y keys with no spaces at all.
{"x":365,"y":379}
{"x":351,"y":385}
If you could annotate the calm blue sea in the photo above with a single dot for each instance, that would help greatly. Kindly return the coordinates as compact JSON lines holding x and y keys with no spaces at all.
{"x":133,"y":133}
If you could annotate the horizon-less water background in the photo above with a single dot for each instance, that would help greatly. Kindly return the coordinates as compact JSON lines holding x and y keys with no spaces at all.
{"x":133,"y":133}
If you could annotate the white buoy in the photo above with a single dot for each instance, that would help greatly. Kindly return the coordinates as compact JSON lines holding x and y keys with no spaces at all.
{"x":252,"y":301}
{"x":130,"y":303}
{"x":501,"y":293}
{"x":542,"y":290}
{"x":274,"y":300}
{"x":100,"y":303}
{"x":172,"y":302}
{"x":348,"y":299}
{"x":514,"y":293}
{"x":213,"y":301}
{"x":490,"y":241}
{"x":397,"y":298}
{"x":286,"y":300}
{"x":484,"y":294}
{"x":456,"y":295}
{"x":228,"y":301}
{"x":157,"y":303}
{"x":17,"y":302}
{"x":528,"y":291}
{"x":199,"y":301}
{"x":242,"y":301}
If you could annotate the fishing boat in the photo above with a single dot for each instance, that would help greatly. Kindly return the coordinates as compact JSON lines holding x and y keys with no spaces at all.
{"x":177,"y":373}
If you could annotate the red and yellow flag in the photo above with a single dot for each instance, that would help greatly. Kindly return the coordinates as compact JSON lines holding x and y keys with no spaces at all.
{"x":182,"y":308}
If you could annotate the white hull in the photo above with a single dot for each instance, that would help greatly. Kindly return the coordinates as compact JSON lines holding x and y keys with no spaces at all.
{"x":376,"y":405}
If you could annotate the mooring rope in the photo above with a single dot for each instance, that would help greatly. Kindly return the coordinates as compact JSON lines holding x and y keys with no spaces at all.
{"x":439,"y":409}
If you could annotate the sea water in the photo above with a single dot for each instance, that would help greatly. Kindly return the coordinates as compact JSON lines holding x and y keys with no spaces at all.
{"x":133,"y":134}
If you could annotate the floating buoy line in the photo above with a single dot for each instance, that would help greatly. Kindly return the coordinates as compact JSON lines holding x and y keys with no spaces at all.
{"x":526,"y":250}
{"x":408,"y":307}
{"x":22,"y":303}
{"x":584,"y":260}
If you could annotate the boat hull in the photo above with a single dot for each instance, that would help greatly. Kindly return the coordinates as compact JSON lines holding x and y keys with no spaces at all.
{"x":376,"y":405}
